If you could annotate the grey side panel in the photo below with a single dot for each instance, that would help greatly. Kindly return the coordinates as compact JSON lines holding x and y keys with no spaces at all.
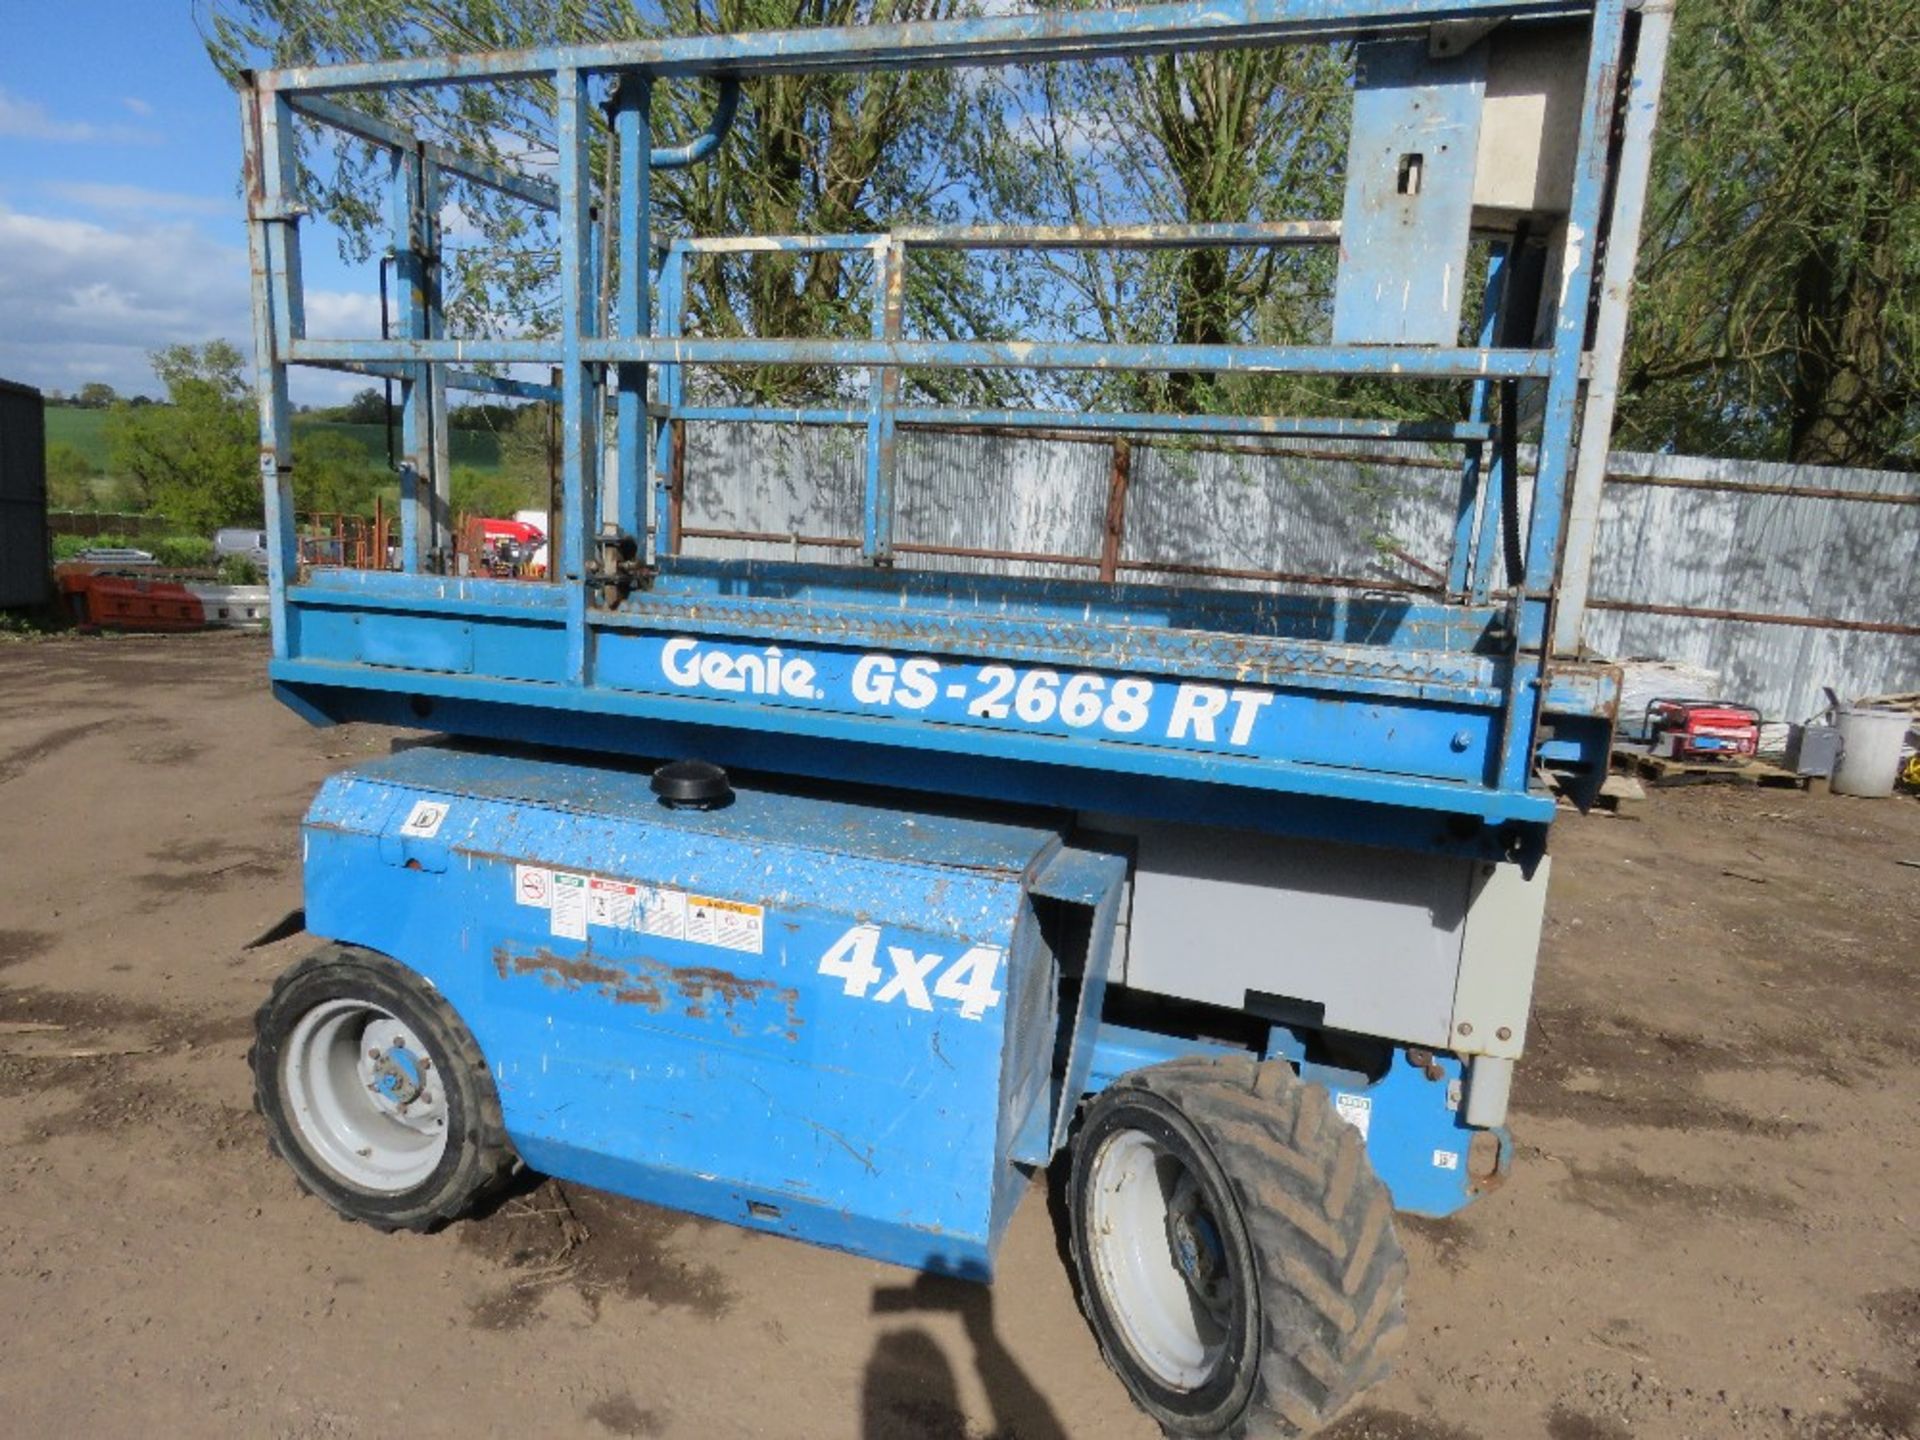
{"x":1373,"y":937}
{"x":1497,"y":955}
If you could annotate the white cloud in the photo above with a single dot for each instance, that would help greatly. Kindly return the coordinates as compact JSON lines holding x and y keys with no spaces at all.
{"x":457,"y":224}
{"x":80,"y":301}
{"x":343,"y":315}
{"x":139,"y":198}
{"x":29,"y":120}
{"x":138,"y":106}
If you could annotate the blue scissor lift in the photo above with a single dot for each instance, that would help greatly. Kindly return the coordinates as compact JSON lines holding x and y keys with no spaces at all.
{"x":833,"y":899}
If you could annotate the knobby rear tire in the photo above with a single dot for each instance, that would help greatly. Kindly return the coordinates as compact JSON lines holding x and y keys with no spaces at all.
{"x":1300,"y":1219}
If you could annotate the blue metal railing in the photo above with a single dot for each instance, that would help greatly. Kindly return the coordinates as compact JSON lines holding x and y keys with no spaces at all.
{"x":884,"y":414}
{"x":632,"y":357}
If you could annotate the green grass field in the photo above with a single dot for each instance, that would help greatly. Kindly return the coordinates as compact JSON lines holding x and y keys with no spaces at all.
{"x":86,"y":431}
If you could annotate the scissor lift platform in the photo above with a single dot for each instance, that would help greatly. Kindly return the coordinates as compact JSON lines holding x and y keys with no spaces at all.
{"x":1231,"y":897}
{"x":925,"y":679}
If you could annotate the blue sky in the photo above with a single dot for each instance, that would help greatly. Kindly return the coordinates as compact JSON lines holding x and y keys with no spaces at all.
{"x":121,"y":225}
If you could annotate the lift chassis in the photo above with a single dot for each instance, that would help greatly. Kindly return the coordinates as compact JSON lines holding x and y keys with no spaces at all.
{"x":1227,"y":900}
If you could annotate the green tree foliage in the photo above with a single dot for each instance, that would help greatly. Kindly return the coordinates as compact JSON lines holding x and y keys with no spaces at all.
{"x":528,"y":447}
{"x":333,"y":474}
{"x":493,"y":493}
{"x":368,"y":407}
{"x":194,"y":458}
{"x":1777,"y":313}
{"x":1778,"y":309}
{"x":823,"y":152}
{"x":69,"y":478}
{"x":497,"y":418}
{"x":1179,"y":139}
{"x":95,"y":395}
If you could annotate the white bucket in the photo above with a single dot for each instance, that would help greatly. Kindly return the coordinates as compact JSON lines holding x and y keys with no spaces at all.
{"x":1870,"y":742}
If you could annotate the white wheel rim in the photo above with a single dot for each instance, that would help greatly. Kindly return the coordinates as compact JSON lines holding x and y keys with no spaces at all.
{"x":366,"y":1097}
{"x":1158,"y":1260}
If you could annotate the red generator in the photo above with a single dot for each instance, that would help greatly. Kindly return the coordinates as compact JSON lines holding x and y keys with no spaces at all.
{"x":1702,"y":729}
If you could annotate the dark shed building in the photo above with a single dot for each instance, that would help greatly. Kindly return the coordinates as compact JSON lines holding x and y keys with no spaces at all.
{"x":23,"y":497}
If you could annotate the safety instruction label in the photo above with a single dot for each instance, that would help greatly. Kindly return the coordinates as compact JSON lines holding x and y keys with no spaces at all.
{"x":610,"y":903}
{"x":533,"y":885}
{"x":659,"y":911}
{"x":575,"y":903}
{"x":1356,"y":1110}
{"x":423,"y":822}
{"x":726,"y":923}
{"x":569,"y":906}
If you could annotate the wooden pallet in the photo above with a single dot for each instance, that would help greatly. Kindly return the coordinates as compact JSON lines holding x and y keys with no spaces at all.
{"x":1658,"y":771}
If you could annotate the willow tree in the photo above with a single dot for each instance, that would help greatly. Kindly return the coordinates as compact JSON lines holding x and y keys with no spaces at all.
{"x":1192,"y":138}
{"x":816,"y":153}
{"x":1778,"y":306}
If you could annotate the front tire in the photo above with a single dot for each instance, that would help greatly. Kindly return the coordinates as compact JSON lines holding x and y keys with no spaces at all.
{"x":375,"y":1094}
{"x":1235,"y":1251}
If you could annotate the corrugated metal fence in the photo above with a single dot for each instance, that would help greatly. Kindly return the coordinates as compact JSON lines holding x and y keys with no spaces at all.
{"x":1784,"y":579}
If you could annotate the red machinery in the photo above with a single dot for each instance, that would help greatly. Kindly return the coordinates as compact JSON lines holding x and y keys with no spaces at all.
{"x":1702,"y":729}
{"x":501,"y":547}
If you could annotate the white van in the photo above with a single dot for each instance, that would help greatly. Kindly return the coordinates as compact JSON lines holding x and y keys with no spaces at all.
{"x":250,"y":543}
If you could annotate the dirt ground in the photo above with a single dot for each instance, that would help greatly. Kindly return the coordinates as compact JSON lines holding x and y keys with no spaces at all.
{"x":1712,"y":1229}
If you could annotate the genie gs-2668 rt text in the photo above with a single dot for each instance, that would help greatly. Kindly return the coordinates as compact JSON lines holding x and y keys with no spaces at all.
{"x":1231,"y":895}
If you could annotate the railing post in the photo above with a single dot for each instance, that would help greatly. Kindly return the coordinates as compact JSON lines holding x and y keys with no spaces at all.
{"x":556,"y":487}
{"x":1610,"y":325}
{"x":670,"y":442}
{"x":633,"y":308}
{"x":676,"y":478}
{"x":442,"y":546}
{"x":1474,"y":463}
{"x":1119,"y":477}
{"x":889,"y":287}
{"x":405,"y":219}
{"x":1535,"y":591}
{"x":273,"y":255}
{"x":579,"y":530}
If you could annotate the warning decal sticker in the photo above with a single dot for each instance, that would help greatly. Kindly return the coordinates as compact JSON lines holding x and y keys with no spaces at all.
{"x":425,"y":819}
{"x":1356,"y":1110}
{"x":660,"y":912}
{"x":532,"y":885}
{"x":610,"y":903}
{"x":574,"y":903}
{"x":726,"y":923}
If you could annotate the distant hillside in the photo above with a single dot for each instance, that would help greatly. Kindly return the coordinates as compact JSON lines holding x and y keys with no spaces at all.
{"x":86,"y":431}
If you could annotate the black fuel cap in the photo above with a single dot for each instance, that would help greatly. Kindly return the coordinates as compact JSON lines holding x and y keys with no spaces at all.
{"x":692,"y":785}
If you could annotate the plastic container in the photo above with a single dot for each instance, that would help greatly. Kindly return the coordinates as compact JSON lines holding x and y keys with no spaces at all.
{"x":1870,"y":742}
